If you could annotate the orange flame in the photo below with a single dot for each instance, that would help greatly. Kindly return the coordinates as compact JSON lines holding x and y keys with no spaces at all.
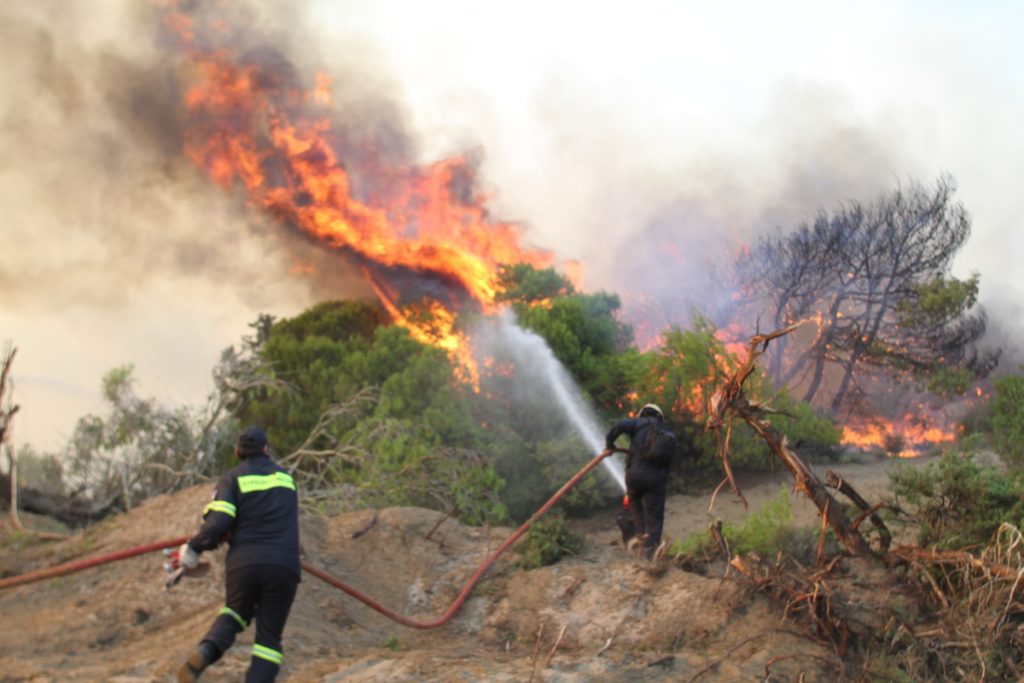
{"x":247,"y":126}
{"x":732,"y":337}
{"x":438,"y":329}
{"x":905,"y":438}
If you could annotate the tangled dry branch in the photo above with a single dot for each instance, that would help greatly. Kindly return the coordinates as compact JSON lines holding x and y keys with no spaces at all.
{"x":977,"y":626}
{"x":729,"y":403}
{"x":809,"y":598}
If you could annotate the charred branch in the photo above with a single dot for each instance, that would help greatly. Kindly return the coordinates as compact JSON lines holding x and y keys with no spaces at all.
{"x":844,"y":487}
{"x":877,"y":279}
{"x":76,"y":513}
{"x":729,"y":403}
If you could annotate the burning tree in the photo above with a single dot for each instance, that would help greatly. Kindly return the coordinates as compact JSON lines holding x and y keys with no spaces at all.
{"x":581,"y":328}
{"x":876,"y":278}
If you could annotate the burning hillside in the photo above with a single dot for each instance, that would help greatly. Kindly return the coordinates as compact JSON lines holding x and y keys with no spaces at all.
{"x":424,"y":242}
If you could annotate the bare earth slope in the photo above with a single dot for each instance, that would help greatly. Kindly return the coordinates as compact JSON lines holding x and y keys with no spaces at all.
{"x":596,"y":617}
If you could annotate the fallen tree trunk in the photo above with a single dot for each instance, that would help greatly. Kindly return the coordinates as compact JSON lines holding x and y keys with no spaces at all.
{"x":808,"y":483}
{"x":871,"y":512}
{"x":72,"y":512}
{"x":729,"y":403}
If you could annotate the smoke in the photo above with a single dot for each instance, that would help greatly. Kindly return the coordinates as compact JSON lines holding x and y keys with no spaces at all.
{"x":662,"y":215}
{"x":93,"y":140}
{"x":640,"y":168}
{"x":663,"y":218}
{"x":98,"y":192}
{"x":115,"y":248}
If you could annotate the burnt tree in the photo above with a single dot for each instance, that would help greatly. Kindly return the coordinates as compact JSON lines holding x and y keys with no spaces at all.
{"x":67,"y":509}
{"x":7,"y":406}
{"x":876,"y":278}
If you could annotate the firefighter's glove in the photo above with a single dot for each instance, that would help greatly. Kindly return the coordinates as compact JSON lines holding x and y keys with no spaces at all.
{"x":188,"y":558}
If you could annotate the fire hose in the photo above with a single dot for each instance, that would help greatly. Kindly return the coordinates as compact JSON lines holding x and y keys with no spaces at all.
{"x":77,"y":566}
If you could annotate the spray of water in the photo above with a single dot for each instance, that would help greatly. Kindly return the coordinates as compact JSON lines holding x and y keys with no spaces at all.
{"x":531,"y":354}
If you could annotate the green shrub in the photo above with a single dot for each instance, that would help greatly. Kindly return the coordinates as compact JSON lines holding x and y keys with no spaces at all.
{"x":957,"y":503}
{"x":765,"y":532}
{"x":761,"y":532}
{"x":1008,"y":419}
{"x":548,"y":540}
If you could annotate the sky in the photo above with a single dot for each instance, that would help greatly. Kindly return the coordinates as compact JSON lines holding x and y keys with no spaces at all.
{"x":603,"y":129}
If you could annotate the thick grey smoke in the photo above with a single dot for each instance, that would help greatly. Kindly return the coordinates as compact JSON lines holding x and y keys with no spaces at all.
{"x":665,"y":240}
{"x":100,"y":198}
{"x":116,"y":249}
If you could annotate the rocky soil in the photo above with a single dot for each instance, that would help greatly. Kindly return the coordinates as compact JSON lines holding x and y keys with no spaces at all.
{"x":598,"y":616}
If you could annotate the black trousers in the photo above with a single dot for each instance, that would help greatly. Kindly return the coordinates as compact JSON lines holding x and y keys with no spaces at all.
{"x":265,"y":591}
{"x":646,"y":489}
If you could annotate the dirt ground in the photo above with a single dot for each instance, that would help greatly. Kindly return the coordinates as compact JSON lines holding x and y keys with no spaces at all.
{"x":598,"y":616}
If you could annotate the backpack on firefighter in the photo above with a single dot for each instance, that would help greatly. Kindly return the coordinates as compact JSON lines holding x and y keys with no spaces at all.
{"x":656,"y":442}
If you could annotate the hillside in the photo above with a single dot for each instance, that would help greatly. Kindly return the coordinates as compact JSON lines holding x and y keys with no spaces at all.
{"x":598,"y":616}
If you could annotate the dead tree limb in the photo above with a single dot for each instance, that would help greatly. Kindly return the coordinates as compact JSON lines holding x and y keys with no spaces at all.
{"x":931,"y":556}
{"x":7,"y":407}
{"x":884,"y":537}
{"x":729,"y":403}
{"x":9,"y":489}
{"x":723,"y":545}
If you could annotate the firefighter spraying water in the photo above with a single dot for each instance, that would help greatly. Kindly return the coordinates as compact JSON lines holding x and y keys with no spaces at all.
{"x":651,"y":450}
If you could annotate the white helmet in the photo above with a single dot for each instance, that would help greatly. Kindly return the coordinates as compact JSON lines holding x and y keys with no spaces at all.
{"x":651,"y":410}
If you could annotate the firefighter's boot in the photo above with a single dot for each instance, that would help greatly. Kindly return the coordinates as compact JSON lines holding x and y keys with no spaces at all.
{"x":202,"y":657}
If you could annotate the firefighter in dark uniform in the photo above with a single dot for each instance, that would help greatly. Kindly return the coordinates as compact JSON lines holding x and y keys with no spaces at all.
{"x":646,"y":482}
{"x":255,"y":508}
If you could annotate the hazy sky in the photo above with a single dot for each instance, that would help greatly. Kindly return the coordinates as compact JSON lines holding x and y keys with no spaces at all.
{"x":602,"y":128}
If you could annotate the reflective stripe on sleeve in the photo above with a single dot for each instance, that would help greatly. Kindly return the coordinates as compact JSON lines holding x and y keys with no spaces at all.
{"x":261,"y":482}
{"x":264,"y":652}
{"x":234,"y":615}
{"x":220,"y":506}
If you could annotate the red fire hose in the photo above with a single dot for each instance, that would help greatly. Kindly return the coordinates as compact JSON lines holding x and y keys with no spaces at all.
{"x":72,"y":567}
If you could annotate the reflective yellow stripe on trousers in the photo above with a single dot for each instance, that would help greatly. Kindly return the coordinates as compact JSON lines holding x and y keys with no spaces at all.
{"x":264,"y":652}
{"x":234,"y":615}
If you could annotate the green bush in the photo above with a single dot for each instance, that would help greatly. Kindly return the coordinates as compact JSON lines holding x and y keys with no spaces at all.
{"x":547,"y":541}
{"x":957,"y":503}
{"x":762,"y":532}
{"x":812,"y":434}
{"x":765,"y":532}
{"x":1008,"y":419}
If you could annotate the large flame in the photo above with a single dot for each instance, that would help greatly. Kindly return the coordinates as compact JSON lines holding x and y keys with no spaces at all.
{"x":248,"y":126}
{"x":904,"y":438}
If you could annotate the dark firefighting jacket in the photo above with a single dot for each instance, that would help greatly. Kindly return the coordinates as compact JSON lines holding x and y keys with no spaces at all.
{"x":255,"y":508}
{"x":634,"y":428}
